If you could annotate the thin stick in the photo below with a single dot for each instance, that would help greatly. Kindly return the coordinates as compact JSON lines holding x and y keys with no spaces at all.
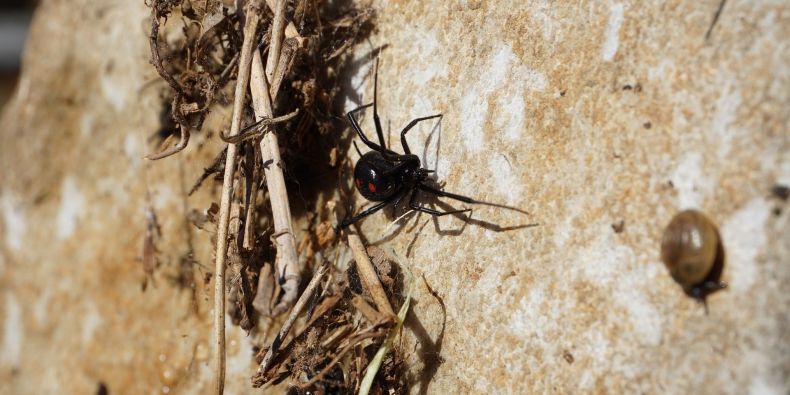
{"x":290,"y":30}
{"x":375,"y":363}
{"x":287,"y":261}
{"x":257,"y":129}
{"x":155,"y":58}
{"x":224,"y":208}
{"x":298,"y":307}
{"x":370,"y":280}
{"x":286,"y":59}
{"x":356,"y":341}
{"x":278,"y":28}
{"x":252,"y":181}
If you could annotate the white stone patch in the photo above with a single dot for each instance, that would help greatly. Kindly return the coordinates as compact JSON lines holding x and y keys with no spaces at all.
{"x":663,"y":69}
{"x":690,"y":182}
{"x":474,"y":107}
{"x":41,"y":306}
{"x":604,"y":261}
{"x":49,"y":381}
{"x":423,"y":137}
{"x":611,"y":38}
{"x":726,"y":113}
{"x":429,"y":65}
{"x":509,"y":119}
{"x":744,"y":236}
{"x":596,"y":345}
{"x":72,"y":204}
{"x":91,"y":321}
{"x":783,"y":176}
{"x":443,"y":167}
{"x":482,"y":385}
{"x":493,"y":77}
{"x":526,"y":318}
{"x":113,"y":91}
{"x":422,"y":107}
{"x":13,"y":332}
{"x":760,"y":386}
{"x":756,"y":364}
{"x":114,"y":188}
{"x":498,"y":67}
{"x":506,"y":183}
{"x":239,"y":363}
{"x":474,"y":103}
{"x":15,"y":221}
{"x":564,"y":230}
{"x":644,"y":316}
{"x":164,"y":196}
{"x":542,"y":15}
{"x":86,"y":124}
{"x":131,"y":148}
{"x":533,"y":80}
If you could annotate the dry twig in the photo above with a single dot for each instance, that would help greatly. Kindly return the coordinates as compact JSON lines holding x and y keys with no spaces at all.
{"x":287,"y":261}
{"x":227,"y":190}
{"x":354,"y":342}
{"x":298,"y":307}
{"x":290,"y":30}
{"x":278,"y":28}
{"x":370,"y":280}
{"x":257,"y":129}
{"x":375,"y":364}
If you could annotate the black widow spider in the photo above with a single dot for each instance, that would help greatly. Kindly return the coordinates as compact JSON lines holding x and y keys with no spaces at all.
{"x":385,"y":176}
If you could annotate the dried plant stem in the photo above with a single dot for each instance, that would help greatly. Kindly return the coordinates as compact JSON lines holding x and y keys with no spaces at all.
{"x":287,"y":261}
{"x":155,"y":58}
{"x":249,"y":213}
{"x":378,"y":358}
{"x":300,"y":304}
{"x":278,"y":28}
{"x":224,"y":208}
{"x":290,"y":29}
{"x":290,"y":32}
{"x":350,"y":346}
{"x":370,"y":280}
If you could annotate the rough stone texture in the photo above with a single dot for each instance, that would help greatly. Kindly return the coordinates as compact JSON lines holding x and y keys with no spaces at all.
{"x":582,"y":114}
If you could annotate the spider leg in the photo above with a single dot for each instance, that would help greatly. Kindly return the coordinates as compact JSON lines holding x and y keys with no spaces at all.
{"x":436,"y":213}
{"x":398,"y":199}
{"x":355,"y":125}
{"x":348,"y":221}
{"x":446,"y":194}
{"x":376,"y":119}
{"x":411,"y":125}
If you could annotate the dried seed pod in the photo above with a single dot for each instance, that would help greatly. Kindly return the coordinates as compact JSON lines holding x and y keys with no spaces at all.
{"x":692,"y":251}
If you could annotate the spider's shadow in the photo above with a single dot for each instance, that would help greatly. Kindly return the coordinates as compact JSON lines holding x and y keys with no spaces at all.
{"x":402,"y":214}
{"x":430,"y":350}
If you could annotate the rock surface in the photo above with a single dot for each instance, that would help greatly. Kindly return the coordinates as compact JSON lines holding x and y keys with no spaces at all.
{"x":584,"y":115}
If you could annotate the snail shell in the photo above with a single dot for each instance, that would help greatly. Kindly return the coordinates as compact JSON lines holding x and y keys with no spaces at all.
{"x":689,"y":248}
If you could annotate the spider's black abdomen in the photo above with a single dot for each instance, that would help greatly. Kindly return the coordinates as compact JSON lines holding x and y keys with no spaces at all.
{"x":370,"y":180}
